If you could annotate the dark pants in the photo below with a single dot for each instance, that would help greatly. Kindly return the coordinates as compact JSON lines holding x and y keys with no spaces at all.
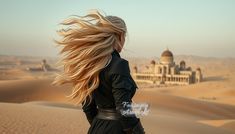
{"x":101,"y":126}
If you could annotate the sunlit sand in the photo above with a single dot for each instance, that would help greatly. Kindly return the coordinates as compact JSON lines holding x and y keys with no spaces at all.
{"x":29,"y":104}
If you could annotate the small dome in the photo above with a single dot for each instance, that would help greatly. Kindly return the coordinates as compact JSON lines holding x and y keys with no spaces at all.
{"x":135,"y":67}
{"x":183,"y":65}
{"x":182,"y":62}
{"x":167,"y":53}
{"x":153,"y":62}
{"x":44,"y":61}
{"x":198,"y":69}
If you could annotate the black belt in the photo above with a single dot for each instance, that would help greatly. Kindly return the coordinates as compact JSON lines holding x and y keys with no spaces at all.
{"x":108,"y":114}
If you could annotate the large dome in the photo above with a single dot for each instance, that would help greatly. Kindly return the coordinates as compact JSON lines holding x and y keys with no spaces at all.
{"x":167,"y":57}
{"x":167,"y":53}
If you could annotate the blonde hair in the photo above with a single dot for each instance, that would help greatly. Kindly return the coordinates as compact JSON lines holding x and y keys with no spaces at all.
{"x":87,"y":44}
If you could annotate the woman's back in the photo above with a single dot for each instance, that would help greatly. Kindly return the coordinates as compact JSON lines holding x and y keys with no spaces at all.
{"x":88,"y":43}
{"x":104,"y":95}
{"x":116,"y":87}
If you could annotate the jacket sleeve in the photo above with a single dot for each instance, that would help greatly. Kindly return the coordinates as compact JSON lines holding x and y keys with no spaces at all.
{"x":90,"y":110}
{"x":122,"y":89}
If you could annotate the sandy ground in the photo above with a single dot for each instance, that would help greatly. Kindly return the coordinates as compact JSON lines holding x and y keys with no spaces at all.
{"x":30,"y":105}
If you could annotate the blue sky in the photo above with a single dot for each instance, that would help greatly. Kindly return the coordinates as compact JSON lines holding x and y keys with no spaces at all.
{"x":187,"y":27}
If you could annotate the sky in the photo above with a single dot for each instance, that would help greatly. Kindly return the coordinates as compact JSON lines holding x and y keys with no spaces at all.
{"x":186,"y":27}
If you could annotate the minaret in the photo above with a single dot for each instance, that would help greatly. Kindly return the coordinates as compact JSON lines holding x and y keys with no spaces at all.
{"x":153,"y":63}
{"x":198,"y":75}
{"x":135,"y":69}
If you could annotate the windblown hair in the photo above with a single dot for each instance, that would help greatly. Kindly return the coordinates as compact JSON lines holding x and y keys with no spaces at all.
{"x":87,"y":43}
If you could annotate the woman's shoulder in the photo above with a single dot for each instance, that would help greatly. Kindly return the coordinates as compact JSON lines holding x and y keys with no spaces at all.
{"x":118,"y":65}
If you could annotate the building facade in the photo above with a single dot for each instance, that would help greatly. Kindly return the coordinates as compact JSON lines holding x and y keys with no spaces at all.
{"x":167,"y":72}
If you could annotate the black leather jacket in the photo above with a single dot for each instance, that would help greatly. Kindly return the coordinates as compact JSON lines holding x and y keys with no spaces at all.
{"x":116,"y":86}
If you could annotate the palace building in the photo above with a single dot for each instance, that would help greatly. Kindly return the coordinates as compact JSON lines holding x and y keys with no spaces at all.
{"x":167,"y":72}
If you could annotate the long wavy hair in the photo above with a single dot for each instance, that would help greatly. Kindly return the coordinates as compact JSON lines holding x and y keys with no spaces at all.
{"x":87,"y":43}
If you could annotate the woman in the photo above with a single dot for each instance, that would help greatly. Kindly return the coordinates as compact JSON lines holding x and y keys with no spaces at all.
{"x":101,"y":78}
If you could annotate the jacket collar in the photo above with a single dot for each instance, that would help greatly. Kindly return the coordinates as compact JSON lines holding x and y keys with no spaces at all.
{"x":115,"y":52}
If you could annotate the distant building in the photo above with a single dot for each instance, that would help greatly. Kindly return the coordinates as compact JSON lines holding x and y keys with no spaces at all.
{"x":44,"y":66}
{"x":167,"y":72}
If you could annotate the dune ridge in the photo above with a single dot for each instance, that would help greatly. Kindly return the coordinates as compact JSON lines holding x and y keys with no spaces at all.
{"x":29,"y":104}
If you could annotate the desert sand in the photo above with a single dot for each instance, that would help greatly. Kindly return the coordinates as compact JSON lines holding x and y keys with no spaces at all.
{"x":29,"y":104}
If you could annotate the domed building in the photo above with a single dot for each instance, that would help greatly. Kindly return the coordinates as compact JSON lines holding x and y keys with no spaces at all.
{"x":167,"y":57}
{"x":167,"y":72}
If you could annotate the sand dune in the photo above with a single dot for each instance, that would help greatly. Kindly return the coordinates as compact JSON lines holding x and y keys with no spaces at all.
{"x":29,"y":119}
{"x":195,"y":108}
{"x":29,"y":104}
{"x":31,"y":90}
{"x":53,"y":104}
{"x":168,"y":115}
{"x":180,"y":117}
{"x":229,"y":125}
